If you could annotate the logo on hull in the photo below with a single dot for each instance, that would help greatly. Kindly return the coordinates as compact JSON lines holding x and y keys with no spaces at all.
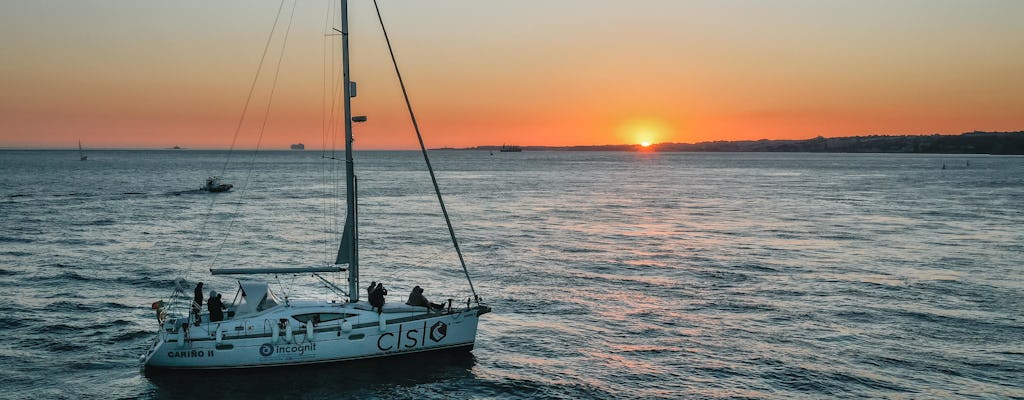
{"x":406,"y":339}
{"x":266,"y":350}
{"x":286,"y":350}
{"x":438,"y":331}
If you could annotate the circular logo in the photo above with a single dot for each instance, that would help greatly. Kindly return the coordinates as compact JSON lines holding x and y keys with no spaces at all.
{"x":266,"y":349}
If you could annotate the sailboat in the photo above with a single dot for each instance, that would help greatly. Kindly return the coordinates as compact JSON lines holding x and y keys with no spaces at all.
{"x":261,"y":329}
{"x":81,"y":154}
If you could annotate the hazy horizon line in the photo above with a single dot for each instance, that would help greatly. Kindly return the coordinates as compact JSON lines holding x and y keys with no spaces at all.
{"x":485,"y":145}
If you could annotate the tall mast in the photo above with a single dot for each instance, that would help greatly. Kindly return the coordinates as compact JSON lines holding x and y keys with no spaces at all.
{"x":349,"y":250}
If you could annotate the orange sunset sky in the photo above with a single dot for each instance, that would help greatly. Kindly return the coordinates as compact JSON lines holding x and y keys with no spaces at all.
{"x":155,"y":74}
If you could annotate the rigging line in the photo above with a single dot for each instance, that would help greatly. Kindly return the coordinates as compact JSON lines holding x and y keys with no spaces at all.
{"x":332,"y":191}
{"x":423,"y":149}
{"x":238,"y":128}
{"x":323,"y":89}
{"x":252,"y":88}
{"x":337,"y":133}
{"x":330,"y":132}
{"x":263,"y":126}
{"x":336,"y":194}
{"x":324,"y":123}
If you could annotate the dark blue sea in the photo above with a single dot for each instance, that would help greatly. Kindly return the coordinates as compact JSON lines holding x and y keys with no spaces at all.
{"x":611,"y":275}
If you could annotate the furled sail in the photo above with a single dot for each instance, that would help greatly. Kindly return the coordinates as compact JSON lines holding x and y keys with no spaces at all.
{"x":345,"y":250}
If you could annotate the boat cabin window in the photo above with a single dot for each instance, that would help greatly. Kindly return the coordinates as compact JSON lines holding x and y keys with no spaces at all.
{"x":324,"y":317}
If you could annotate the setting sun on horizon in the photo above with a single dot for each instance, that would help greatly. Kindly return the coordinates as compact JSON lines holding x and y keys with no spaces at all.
{"x":646,"y":131}
{"x":669,"y":71}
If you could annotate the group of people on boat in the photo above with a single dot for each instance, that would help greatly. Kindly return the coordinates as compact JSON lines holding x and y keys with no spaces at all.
{"x":375,"y":295}
{"x":215,"y":305}
{"x":376,"y":292}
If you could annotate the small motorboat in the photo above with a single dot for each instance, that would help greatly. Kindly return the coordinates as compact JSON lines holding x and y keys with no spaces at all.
{"x":213,"y":184}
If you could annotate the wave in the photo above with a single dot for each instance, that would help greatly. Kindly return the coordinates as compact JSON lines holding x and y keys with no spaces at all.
{"x":98,"y":222}
{"x":130,"y":336}
{"x":725,"y":276}
{"x":65,"y":329}
{"x":755,"y":267}
{"x":543,"y":306}
{"x":74,"y":276}
{"x":10,"y":322}
{"x":65,"y":305}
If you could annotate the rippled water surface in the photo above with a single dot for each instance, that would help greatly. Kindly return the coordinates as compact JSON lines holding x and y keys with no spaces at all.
{"x":611,"y":275}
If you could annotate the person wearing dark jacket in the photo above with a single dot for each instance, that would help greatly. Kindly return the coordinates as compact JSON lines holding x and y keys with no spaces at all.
{"x":216,"y":307}
{"x":416,"y":298}
{"x":377,"y":297}
{"x":197,"y":303}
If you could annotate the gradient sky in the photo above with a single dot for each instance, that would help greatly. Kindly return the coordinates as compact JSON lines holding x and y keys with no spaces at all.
{"x":133,"y":73}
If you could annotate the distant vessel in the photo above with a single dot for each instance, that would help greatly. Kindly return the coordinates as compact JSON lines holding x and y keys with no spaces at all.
{"x":81,"y":154}
{"x":262,"y":329}
{"x":213,"y":185}
{"x":298,"y":146}
{"x":176,"y":148}
{"x":510,"y":148}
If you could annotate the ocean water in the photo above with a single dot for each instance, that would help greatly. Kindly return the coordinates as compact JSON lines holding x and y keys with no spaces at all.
{"x":611,"y":275}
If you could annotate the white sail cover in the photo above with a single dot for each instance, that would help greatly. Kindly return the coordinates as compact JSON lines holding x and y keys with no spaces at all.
{"x":253,"y":297}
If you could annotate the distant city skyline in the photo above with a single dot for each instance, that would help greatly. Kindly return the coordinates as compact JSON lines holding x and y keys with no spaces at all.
{"x":130,"y":74}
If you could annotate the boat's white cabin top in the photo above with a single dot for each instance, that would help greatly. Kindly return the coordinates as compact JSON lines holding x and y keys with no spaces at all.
{"x":253,"y":297}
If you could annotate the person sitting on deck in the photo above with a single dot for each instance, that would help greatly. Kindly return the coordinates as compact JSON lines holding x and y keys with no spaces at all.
{"x":416,"y":298}
{"x":216,"y":307}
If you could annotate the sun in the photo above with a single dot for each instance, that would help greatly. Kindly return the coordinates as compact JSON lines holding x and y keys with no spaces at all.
{"x":644,"y":131}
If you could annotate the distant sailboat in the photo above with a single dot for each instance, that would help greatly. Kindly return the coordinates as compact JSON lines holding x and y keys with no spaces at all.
{"x":81,"y":154}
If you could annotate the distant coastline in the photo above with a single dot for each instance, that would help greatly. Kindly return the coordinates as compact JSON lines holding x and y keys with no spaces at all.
{"x":977,"y":142}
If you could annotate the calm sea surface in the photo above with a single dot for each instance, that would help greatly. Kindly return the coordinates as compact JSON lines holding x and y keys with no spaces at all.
{"x":611,"y":275}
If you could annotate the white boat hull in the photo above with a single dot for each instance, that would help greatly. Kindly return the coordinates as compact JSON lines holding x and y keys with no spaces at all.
{"x":259,"y":347}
